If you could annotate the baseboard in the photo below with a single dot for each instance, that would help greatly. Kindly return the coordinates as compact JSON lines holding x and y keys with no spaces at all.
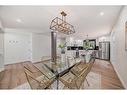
{"x":119,"y":77}
{"x":17,"y":63}
{"x":1,"y":69}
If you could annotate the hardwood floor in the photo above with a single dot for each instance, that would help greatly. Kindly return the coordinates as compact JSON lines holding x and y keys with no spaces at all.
{"x":13,"y":75}
{"x":109,"y":78}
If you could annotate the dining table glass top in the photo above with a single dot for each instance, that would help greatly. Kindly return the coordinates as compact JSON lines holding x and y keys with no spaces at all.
{"x":61,"y":66}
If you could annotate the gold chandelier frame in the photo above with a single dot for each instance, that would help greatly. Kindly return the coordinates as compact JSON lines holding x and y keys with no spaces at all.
{"x":60,"y":25}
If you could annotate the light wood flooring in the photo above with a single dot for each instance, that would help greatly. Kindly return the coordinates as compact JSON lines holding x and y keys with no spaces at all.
{"x":109,"y":78}
{"x":13,"y":75}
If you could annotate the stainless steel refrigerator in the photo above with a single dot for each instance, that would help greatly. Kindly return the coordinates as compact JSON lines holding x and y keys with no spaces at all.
{"x":104,"y":50}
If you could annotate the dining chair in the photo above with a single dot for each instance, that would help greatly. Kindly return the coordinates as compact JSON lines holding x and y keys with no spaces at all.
{"x":38,"y":82}
{"x":78,"y":68}
{"x":74,"y":82}
{"x":92,"y":60}
{"x":72,"y":60}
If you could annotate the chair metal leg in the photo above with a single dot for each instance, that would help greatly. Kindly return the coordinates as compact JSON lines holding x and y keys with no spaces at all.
{"x":83,"y":86}
{"x":87,"y":82}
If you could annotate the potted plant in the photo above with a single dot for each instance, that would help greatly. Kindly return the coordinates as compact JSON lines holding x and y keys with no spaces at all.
{"x":62,"y":47}
{"x":87,"y":46}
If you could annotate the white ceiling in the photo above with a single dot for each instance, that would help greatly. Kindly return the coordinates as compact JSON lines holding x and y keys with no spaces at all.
{"x":86,"y":19}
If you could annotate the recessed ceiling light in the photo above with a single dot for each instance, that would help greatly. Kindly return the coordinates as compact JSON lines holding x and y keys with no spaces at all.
{"x":101,"y":13}
{"x":19,"y":20}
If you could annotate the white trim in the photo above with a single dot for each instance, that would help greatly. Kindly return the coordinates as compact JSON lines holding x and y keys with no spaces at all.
{"x":1,"y":69}
{"x":123,"y":83}
{"x":17,"y":62}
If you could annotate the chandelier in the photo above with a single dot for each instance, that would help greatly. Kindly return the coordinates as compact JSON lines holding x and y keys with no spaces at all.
{"x":60,"y":25}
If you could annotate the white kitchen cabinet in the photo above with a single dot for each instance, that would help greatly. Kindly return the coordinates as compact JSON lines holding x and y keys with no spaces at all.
{"x":74,"y":42}
{"x":70,"y":41}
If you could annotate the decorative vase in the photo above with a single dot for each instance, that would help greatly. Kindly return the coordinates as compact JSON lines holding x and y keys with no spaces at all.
{"x":63,"y":57}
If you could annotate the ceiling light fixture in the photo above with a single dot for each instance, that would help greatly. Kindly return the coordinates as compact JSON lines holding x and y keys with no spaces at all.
{"x":19,"y":20}
{"x":101,"y":13}
{"x":60,"y":25}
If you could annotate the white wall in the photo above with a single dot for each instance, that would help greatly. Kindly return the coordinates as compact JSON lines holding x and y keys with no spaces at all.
{"x":41,"y":45}
{"x":22,"y":45}
{"x":118,"y":53}
{"x":1,"y":41}
{"x":1,"y":48}
{"x":17,"y":45}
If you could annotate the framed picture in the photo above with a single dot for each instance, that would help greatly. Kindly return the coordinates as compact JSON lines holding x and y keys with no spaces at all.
{"x":126,"y":35}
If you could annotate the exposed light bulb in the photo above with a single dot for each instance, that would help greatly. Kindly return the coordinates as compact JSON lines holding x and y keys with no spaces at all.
{"x":101,"y":13}
{"x":19,"y":20}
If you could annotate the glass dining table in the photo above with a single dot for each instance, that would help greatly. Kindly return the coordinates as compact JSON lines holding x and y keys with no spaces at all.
{"x":60,"y":68}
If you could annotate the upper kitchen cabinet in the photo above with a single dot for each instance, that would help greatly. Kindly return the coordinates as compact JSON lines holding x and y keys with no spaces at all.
{"x":73,"y":42}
